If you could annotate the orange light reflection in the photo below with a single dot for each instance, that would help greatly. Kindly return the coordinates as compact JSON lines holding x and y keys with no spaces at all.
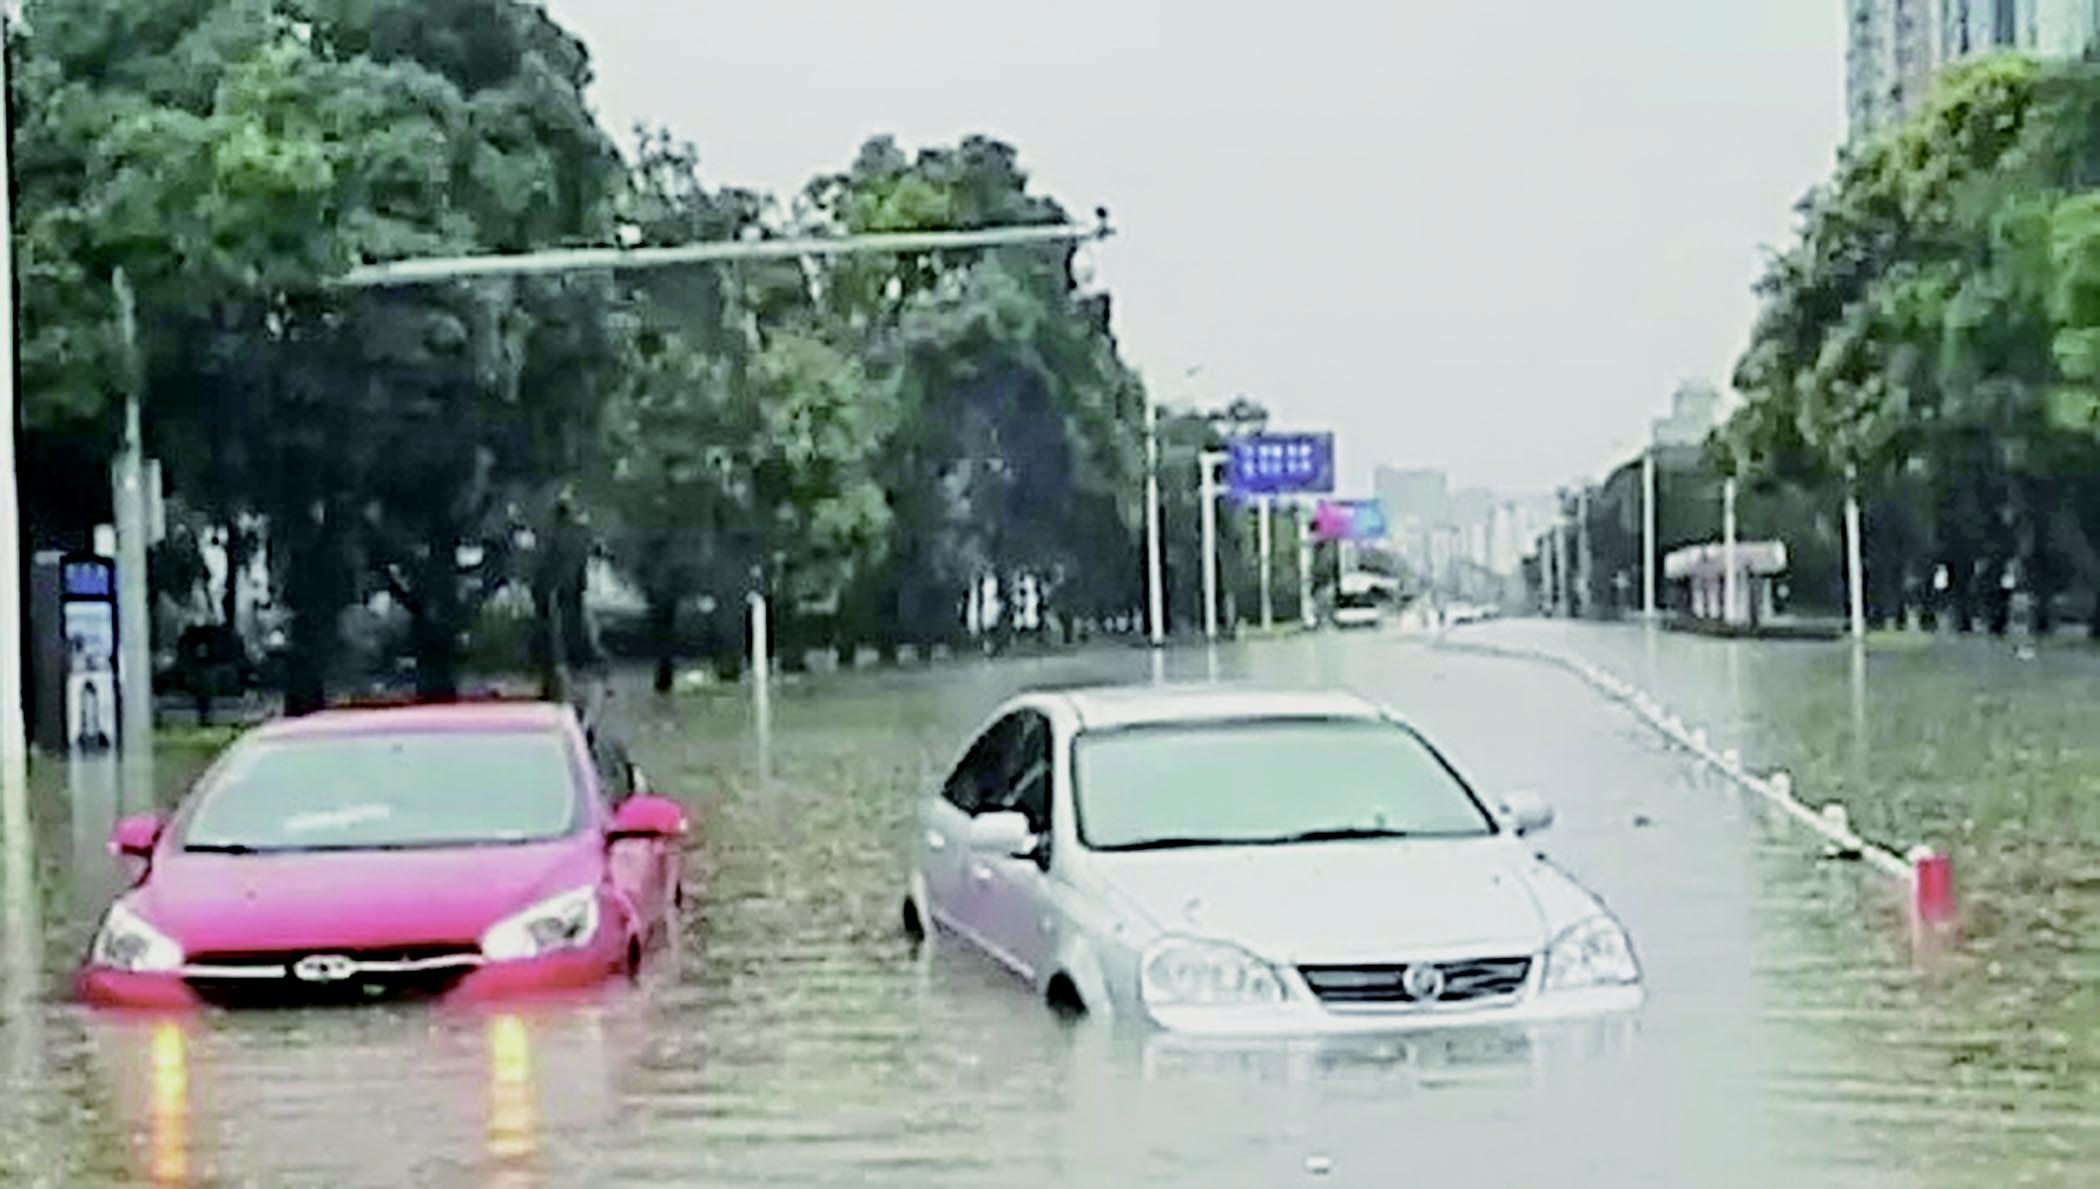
{"x":513,"y":1125}
{"x":169,"y":1105}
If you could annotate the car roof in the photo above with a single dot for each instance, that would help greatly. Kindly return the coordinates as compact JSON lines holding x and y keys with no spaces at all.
{"x":1102,"y":708}
{"x":466,"y":718}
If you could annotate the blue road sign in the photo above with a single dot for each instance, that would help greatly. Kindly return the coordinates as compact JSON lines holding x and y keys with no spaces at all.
{"x":1281,"y":464}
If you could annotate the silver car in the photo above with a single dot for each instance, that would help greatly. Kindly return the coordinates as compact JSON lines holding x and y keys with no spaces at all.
{"x":1232,"y":862}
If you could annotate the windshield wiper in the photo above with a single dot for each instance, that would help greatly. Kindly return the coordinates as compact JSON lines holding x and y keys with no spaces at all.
{"x":1340,"y":834}
{"x":219,"y":848}
{"x":1179,"y":843}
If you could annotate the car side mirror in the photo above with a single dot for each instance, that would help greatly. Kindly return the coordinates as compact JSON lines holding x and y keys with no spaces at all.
{"x":1526,"y":813}
{"x":1005,"y":833}
{"x":135,"y":837}
{"x":647,"y":817}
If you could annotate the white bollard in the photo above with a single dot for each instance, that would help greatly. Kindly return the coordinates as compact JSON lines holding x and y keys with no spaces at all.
{"x":1837,"y":819}
{"x":1733,"y":759}
{"x":1782,"y":785}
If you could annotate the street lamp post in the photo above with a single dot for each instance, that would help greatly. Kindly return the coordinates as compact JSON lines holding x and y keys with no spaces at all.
{"x":14,"y":737}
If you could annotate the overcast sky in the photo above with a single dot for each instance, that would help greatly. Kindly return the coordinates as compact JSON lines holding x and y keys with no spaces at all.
{"x":1489,"y":237}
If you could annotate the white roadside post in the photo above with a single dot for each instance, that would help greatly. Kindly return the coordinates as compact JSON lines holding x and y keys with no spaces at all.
{"x":1155,"y":595}
{"x":1728,"y":574}
{"x":1648,"y":533}
{"x":1855,"y":568}
{"x":1266,"y":513}
{"x":1207,"y":486}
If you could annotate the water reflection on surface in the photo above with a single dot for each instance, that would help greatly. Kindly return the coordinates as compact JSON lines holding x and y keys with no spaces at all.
{"x":168,"y":1106}
{"x":795,"y":1039}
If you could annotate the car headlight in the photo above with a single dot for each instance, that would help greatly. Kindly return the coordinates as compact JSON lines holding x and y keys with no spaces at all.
{"x":564,"y":922}
{"x":1181,"y":972}
{"x":1595,"y":953}
{"x":126,"y":942}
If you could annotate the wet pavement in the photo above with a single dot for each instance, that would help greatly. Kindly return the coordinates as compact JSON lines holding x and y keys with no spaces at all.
{"x":793,"y":1038}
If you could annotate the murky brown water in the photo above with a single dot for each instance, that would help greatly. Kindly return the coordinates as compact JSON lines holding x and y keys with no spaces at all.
{"x":793,"y":1038}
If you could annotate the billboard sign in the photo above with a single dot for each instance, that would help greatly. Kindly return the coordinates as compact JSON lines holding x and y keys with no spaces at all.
{"x":88,"y":617}
{"x":1281,"y":464}
{"x":1350,"y":520}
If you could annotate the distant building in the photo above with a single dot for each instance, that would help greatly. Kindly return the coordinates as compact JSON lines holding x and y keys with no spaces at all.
{"x":1694,"y":411}
{"x":1895,"y":48}
{"x":1422,"y":495}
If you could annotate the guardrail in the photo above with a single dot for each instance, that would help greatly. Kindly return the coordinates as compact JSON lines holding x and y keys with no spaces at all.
{"x":1928,"y":873}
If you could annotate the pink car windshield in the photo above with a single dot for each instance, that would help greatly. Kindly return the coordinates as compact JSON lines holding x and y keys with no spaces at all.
{"x":364,"y":792}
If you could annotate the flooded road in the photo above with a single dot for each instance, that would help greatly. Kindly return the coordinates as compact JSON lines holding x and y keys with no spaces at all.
{"x":793,"y":1038}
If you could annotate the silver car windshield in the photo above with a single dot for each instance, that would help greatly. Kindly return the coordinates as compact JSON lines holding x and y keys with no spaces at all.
{"x":388,"y":791}
{"x":1266,"y":783}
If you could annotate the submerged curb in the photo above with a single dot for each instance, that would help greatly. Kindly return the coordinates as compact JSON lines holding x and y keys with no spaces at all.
{"x":1832,"y":823}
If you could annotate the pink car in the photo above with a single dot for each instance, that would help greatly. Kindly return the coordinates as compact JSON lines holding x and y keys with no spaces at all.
{"x":458,"y":851}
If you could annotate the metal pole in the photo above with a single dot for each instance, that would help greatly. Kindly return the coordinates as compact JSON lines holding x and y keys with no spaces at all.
{"x":1729,"y":581}
{"x":1582,"y":552}
{"x":1268,"y":608}
{"x":134,"y":619}
{"x":450,"y":268}
{"x":761,"y":684}
{"x":14,"y":739}
{"x":1207,"y":485}
{"x":1155,"y":594}
{"x":1305,"y":555}
{"x":1560,"y":566}
{"x":1855,"y":566}
{"x":1648,"y":533}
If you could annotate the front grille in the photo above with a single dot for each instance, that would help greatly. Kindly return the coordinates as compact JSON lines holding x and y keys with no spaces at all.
{"x":266,"y":978}
{"x":1471,"y":980}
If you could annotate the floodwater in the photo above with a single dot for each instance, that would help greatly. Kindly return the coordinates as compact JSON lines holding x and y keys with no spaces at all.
{"x":793,"y":1038}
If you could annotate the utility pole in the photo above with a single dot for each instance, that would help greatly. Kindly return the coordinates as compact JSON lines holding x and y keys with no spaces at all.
{"x":1729,"y":580}
{"x":1648,"y":532}
{"x":1855,"y":567}
{"x":1582,"y":552}
{"x":1207,"y":484}
{"x":134,"y":619}
{"x":1266,"y":512}
{"x":1155,"y":595}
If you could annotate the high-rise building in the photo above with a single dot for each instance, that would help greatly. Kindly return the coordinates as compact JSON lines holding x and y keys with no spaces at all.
{"x":1695,"y":409}
{"x":1895,"y":48}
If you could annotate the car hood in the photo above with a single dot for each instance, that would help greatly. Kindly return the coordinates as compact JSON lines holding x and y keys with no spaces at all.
{"x":1353,"y":901}
{"x":353,"y":899}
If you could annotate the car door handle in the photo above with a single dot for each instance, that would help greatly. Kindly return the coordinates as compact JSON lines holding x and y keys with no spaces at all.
{"x":935,"y":840}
